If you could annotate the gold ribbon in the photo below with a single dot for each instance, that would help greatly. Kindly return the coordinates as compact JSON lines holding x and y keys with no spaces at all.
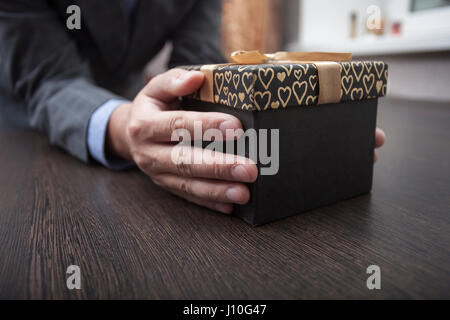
{"x":326,"y":63}
{"x":255,"y":57}
{"x":328,"y":69}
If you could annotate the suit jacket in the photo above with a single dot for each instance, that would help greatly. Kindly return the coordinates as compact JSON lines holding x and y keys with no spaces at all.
{"x":60,"y":76}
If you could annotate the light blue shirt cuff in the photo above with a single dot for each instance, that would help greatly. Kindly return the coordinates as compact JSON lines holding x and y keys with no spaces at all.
{"x":97,"y":134}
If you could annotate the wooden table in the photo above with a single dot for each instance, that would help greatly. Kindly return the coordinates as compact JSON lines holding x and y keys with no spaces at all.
{"x":133,"y":240}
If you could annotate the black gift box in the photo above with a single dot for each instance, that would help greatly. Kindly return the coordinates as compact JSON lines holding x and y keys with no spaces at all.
{"x":325,"y":150}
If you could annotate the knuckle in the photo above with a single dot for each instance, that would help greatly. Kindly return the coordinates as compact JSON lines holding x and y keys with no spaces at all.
{"x":213,"y":194}
{"x":135,"y":129}
{"x":183,"y":162}
{"x":151,"y":132}
{"x":139,"y":159}
{"x":219,"y":170}
{"x":156,"y":180}
{"x":184,"y":168}
{"x":177,"y":122}
{"x":184,"y":186}
{"x":151,"y":163}
{"x":212,"y":123}
{"x":147,"y":163}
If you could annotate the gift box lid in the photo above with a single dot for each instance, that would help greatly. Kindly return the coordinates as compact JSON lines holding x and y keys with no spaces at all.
{"x":278,"y":84}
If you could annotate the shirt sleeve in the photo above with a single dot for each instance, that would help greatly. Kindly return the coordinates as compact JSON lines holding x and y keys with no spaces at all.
{"x":96,"y":136}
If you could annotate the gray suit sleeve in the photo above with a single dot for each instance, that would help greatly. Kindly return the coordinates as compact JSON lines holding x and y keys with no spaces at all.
{"x":40,"y":65}
{"x":197,"y":39}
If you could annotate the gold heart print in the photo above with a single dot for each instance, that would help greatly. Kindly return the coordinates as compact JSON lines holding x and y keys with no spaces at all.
{"x":228,"y":76}
{"x":298,"y":73}
{"x":305,"y":68}
{"x":247,"y":107}
{"x":275,"y":105}
{"x":266,"y":77}
{"x":347,"y":83}
{"x":379,"y":85}
{"x":360,"y":65}
{"x":218,"y":81}
{"x":281,"y":76}
{"x":368,"y":81}
{"x":262,"y":100}
{"x":299,"y":89}
{"x":346,"y":66}
{"x":359,"y":80}
{"x":236,"y":79}
{"x":358,"y":91}
{"x":288,"y":70}
{"x":379,"y":68}
{"x":313,"y":81}
{"x":284,"y":95}
{"x":248,"y":80}
{"x":310,"y":100}
{"x":232,"y":99}
{"x":223,"y":66}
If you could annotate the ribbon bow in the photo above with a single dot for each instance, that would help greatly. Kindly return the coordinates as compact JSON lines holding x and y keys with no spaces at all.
{"x":255,"y":57}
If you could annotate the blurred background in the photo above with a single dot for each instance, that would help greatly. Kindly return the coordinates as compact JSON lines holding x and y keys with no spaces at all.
{"x":412,"y":36}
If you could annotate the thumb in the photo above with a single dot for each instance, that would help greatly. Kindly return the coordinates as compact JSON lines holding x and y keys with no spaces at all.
{"x":172,"y":84}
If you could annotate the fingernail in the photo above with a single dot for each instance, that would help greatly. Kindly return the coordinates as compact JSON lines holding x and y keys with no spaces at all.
{"x":240,"y":173}
{"x":234,"y":195}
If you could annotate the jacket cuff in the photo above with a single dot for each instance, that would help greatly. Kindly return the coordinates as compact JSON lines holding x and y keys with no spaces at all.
{"x":68,"y":113}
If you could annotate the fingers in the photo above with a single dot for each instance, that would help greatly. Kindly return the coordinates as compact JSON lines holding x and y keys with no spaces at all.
{"x":189,"y":161}
{"x":212,"y":194}
{"x":226,"y":208}
{"x":205,"y":189}
{"x":380,"y":138}
{"x":164,"y":126}
{"x":172,"y":84}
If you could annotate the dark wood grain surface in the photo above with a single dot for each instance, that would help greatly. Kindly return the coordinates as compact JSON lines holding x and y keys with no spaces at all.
{"x":133,"y":240}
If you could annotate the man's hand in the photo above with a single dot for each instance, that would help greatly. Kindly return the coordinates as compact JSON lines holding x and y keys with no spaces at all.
{"x":141,"y":132}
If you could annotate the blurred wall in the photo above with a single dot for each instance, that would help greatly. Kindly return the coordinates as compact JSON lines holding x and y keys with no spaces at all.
{"x":316,"y":25}
{"x":251,"y":25}
{"x":330,"y":20}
